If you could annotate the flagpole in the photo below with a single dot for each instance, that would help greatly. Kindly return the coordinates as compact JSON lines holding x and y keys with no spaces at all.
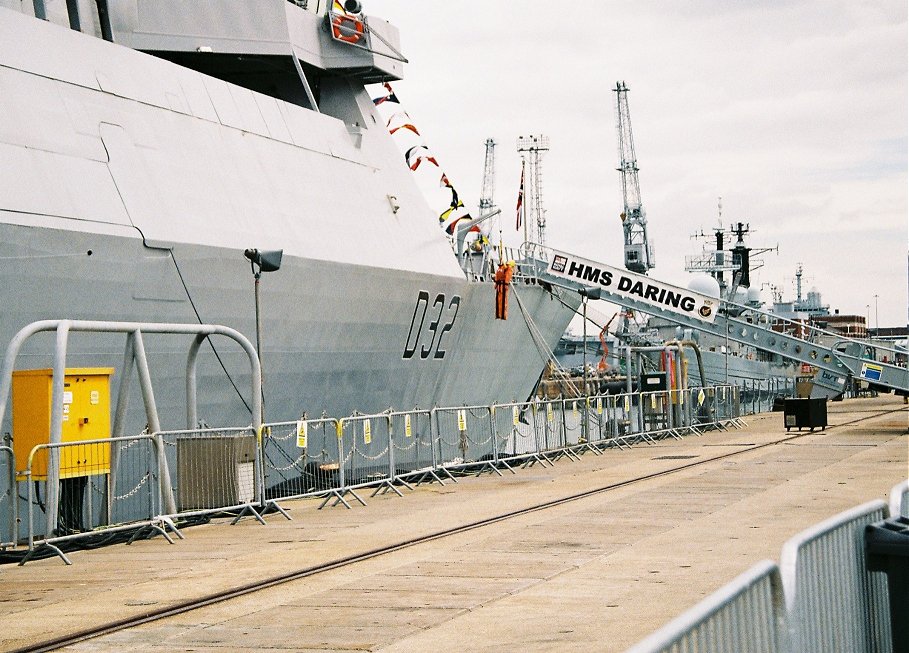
{"x":523,"y":203}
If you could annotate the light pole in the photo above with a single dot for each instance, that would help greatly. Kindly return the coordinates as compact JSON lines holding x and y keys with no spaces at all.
{"x":259,"y":262}
{"x":867,"y":320}
{"x":877,"y":324}
{"x":586,"y":295}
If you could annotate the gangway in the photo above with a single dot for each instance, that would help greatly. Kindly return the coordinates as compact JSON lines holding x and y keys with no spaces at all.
{"x":836,"y":357}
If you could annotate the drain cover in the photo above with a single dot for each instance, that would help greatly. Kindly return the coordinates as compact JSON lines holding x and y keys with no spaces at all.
{"x":673,"y":457}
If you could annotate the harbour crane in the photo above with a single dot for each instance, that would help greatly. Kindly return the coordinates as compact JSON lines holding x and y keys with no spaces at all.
{"x":638,"y":249}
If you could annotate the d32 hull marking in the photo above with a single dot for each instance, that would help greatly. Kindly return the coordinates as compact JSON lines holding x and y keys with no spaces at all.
{"x":428,"y":342}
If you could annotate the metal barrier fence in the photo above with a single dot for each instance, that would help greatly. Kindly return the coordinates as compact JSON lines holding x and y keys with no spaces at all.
{"x":113,"y":485}
{"x":106,"y":486}
{"x":213,"y":470}
{"x":301,"y":458}
{"x":833,"y":603}
{"x":334,"y":458}
{"x":758,"y":395}
{"x":820,"y":599}
{"x":413,"y":456}
{"x":9,"y":501}
{"x":899,"y":500}
{"x":150,"y":480}
{"x":745,"y":616}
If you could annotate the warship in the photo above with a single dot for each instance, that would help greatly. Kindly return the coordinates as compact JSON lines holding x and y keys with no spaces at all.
{"x":147,"y":145}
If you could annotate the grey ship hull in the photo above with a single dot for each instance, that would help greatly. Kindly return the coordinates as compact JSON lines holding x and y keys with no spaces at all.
{"x":166,"y":175}
{"x":334,"y":335}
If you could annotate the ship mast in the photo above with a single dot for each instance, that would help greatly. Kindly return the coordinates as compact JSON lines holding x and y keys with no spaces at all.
{"x":638,"y":249}
{"x":531,"y":149}
{"x":488,"y":189}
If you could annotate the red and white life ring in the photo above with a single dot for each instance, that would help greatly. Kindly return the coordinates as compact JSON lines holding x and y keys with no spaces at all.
{"x":347,"y":28}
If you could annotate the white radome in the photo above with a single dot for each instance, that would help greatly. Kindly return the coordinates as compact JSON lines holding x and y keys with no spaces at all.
{"x":705,"y":285}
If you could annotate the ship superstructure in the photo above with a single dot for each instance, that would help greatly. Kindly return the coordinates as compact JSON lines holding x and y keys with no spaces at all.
{"x":146,"y":144}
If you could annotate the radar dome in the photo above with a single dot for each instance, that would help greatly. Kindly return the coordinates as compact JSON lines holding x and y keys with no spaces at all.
{"x":705,"y":285}
{"x":754,"y":296}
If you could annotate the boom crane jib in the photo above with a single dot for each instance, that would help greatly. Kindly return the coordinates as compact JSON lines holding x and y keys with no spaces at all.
{"x":638,"y":249}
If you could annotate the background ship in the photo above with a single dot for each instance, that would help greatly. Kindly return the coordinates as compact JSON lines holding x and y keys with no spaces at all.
{"x":145,"y":144}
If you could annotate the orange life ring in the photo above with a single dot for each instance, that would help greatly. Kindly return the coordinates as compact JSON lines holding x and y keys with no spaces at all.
{"x":355,"y":23}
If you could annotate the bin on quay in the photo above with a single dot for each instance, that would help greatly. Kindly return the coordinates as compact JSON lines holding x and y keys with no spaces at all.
{"x":887,"y":550}
{"x":805,"y":413}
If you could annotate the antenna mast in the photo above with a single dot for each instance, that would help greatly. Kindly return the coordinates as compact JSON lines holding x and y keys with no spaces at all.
{"x":534,"y":147}
{"x":638,"y":250}
{"x":488,"y":189}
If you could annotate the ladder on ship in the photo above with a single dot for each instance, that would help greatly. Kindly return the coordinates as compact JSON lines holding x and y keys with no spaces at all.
{"x":835,"y":357}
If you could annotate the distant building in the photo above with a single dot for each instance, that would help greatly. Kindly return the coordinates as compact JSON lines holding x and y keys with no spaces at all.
{"x":851,"y":326}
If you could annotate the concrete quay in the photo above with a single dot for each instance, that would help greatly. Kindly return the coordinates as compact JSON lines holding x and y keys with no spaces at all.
{"x":595,"y":574}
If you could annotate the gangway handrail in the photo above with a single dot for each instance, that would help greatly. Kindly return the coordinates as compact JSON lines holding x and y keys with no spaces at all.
{"x":834,"y":366}
{"x":134,"y":354}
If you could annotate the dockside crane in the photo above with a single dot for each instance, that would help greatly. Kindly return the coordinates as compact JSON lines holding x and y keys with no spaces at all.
{"x":638,"y":249}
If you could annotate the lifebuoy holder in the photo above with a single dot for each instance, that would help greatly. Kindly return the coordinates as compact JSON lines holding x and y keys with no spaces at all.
{"x":347,"y":28}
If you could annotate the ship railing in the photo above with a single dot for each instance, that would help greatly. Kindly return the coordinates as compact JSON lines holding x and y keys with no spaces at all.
{"x":9,"y":500}
{"x":108,"y":490}
{"x":820,"y":597}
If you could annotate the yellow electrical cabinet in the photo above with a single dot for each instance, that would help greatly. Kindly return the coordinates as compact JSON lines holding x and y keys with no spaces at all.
{"x":86,"y":416}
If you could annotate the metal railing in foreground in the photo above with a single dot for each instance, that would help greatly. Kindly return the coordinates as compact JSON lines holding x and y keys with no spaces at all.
{"x":110,"y":488}
{"x":744,"y":616}
{"x":821,"y":598}
{"x":335,"y":458}
{"x":899,"y":500}
{"x":107,"y":486}
{"x":9,"y":501}
{"x":833,"y":603}
{"x":150,"y":483}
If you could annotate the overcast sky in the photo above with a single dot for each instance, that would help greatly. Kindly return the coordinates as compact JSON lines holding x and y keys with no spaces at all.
{"x":795,"y":112}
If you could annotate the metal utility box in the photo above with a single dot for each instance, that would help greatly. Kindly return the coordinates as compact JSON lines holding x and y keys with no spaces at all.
{"x":653,"y":382}
{"x":86,"y":416}
{"x":215,"y":471}
{"x":805,"y":413}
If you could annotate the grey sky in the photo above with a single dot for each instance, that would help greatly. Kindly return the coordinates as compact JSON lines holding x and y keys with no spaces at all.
{"x":794,"y":112}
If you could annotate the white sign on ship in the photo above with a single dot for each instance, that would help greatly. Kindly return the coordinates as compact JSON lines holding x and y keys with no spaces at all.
{"x":634,"y":286}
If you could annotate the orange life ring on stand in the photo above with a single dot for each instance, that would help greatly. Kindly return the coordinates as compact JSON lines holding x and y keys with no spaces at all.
{"x":342,"y":33}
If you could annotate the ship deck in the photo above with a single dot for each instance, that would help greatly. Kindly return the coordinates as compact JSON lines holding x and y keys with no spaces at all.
{"x":598,"y":572}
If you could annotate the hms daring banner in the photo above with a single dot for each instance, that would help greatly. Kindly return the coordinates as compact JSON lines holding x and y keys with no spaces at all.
{"x":633,"y":286}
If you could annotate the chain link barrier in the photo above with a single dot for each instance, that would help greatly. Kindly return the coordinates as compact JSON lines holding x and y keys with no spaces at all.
{"x":116,"y":483}
{"x":394,"y":449}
